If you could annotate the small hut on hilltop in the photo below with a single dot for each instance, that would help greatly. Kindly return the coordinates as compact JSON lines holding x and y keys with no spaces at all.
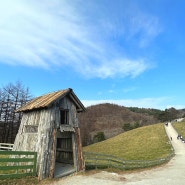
{"x":50,"y":127}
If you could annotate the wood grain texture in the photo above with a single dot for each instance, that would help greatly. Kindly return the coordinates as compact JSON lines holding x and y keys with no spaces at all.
{"x":44,"y":138}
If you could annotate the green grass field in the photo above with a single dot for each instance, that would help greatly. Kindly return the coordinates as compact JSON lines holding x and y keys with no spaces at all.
{"x":180,"y":127}
{"x":144,"y":143}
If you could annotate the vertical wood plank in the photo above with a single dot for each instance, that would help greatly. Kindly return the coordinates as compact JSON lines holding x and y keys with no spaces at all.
{"x":81,"y":165}
{"x":53,"y":153}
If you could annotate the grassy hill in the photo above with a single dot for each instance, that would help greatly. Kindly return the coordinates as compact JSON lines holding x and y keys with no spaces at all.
{"x":144,"y":143}
{"x":110,"y":119}
{"x":180,"y":127}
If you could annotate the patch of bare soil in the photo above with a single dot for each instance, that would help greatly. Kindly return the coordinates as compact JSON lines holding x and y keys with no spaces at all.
{"x":104,"y":175}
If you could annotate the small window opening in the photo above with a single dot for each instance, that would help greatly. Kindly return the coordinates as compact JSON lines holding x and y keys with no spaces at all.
{"x":64,"y":117}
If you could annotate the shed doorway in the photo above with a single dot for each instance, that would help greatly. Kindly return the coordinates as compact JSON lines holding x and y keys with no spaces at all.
{"x":64,"y":164}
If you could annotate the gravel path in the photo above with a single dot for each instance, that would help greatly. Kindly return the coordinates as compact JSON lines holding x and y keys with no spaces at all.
{"x":172,"y":173}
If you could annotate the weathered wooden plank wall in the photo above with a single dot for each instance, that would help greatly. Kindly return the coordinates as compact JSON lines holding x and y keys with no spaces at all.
{"x":41,"y":136}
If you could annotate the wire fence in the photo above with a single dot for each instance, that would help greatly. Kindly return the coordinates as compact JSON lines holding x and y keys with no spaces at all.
{"x":102,"y":161}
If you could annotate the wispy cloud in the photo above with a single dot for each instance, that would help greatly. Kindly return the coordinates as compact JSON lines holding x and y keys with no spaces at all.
{"x":158,"y":103}
{"x":129,"y":89}
{"x":143,"y":26}
{"x":56,"y":33}
{"x":120,"y":67}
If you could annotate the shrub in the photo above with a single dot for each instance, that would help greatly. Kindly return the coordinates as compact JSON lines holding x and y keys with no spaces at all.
{"x":136,"y":125}
{"x":127,"y":127}
{"x":100,"y":136}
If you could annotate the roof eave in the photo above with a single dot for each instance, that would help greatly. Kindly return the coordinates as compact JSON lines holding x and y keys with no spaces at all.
{"x":69,"y":92}
{"x":78,"y":103}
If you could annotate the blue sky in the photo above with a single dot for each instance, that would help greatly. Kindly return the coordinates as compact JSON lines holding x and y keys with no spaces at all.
{"x":129,"y":53}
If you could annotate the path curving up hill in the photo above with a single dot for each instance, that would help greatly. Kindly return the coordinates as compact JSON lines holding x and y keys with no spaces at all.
{"x":173,"y":173}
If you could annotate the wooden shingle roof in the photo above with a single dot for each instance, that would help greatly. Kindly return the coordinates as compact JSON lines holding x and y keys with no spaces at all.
{"x":47,"y":100}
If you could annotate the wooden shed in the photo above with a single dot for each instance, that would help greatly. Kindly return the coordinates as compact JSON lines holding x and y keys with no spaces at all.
{"x":50,"y":127}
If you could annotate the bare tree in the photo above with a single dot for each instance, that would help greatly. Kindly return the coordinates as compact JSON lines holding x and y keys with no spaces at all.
{"x":12,"y":96}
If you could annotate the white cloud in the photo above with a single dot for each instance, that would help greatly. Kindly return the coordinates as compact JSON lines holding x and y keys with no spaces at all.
{"x":121,"y":67}
{"x":55,"y":33}
{"x":143,"y":26}
{"x":157,"y":103}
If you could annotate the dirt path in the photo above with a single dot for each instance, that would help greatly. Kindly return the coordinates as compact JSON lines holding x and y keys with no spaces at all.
{"x":172,"y":173}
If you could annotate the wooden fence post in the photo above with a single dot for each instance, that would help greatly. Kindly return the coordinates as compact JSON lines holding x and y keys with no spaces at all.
{"x":35,"y":164}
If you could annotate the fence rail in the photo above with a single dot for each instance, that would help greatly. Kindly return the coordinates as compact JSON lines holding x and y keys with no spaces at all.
{"x":94,"y":160}
{"x":6,"y":146}
{"x":16,"y":164}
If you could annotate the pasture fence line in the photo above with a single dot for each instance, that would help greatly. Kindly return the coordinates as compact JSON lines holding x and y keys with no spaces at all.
{"x":6,"y":146}
{"x":16,"y":164}
{"x":102,"y":161}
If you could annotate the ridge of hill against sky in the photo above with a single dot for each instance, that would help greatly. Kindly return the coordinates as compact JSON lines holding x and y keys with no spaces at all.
{"x":130,"y":53}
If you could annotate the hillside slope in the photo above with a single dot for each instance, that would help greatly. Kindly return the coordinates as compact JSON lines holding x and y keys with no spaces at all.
{"x":145,"y":143}
{"x":109,"y":119}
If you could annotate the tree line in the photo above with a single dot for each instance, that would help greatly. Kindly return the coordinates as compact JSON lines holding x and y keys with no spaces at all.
{"x":12,"y":96}
{"x":161,"y":115}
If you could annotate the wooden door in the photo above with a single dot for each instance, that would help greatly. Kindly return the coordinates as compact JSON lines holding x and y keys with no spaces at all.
{"x":64,"y":151}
